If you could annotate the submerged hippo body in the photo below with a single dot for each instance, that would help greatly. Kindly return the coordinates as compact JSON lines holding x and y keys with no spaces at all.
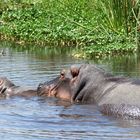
{"x":117,"y":96}
{"x":8,"y":89}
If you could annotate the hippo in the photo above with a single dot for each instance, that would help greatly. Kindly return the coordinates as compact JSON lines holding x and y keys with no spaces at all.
{"x":114,"y":95}
{"x":60,"y":87}
{"x":9,"y":89}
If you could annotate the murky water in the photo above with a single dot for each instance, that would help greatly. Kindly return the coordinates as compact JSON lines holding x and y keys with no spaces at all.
{"x":36,"y":119}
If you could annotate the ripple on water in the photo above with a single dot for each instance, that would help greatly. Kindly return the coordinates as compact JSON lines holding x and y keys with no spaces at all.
{"x":42,"y":120}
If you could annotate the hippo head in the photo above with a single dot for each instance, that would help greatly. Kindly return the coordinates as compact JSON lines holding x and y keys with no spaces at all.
{"x":5,"y":85}
{"x":60,"y":87}
{"x":48,"y":88}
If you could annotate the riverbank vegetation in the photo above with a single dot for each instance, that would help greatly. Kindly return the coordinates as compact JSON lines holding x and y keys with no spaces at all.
{"x":98,"y":27}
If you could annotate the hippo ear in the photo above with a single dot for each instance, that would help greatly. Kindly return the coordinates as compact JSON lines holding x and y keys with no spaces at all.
{"x":74,"y":71}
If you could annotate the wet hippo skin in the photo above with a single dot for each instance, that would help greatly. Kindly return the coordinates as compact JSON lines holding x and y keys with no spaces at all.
{"x":114,"y":95}
{"x":9,"y":89}
{"x":118,"y":96}
{"x":60,"y":87}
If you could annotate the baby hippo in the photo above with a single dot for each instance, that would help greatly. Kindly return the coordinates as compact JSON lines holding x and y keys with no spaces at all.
{"x":8,"y":89}
{"x":60,"y":87}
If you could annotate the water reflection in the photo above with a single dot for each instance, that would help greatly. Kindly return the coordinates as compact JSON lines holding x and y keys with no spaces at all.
{"x":42,"y":119}
{"x":33,"y":62}
{"x":128,"y":65}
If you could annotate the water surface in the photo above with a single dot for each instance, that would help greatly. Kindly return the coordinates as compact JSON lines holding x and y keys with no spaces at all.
{"x":38,"y":119}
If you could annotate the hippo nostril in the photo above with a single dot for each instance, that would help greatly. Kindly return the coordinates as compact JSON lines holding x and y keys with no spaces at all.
{"x":3,"y":90}
{"x":40,"y":86}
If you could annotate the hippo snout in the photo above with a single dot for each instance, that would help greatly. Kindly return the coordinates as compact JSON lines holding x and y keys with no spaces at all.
{"x":44,"y":89}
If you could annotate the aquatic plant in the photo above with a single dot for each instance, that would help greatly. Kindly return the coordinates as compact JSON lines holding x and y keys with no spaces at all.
{"x":95,"y":25}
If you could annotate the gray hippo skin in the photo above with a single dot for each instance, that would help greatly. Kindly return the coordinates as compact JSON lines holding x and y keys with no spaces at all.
{"x":117,"y":96}
{"x":9,"y":89}
{"x":60,"y":87}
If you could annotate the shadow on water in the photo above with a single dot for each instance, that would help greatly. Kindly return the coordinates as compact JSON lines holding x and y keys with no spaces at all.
{"x":42,"y":119}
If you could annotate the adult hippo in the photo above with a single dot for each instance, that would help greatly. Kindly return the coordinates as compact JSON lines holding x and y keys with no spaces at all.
{"x":114,"y":95}
{"x":8,"y":89}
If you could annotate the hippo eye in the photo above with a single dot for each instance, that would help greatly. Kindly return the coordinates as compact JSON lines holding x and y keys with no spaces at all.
{"x":62,"y":74}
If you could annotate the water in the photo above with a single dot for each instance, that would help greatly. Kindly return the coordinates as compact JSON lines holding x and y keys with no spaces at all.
{"x":38,"y":119}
